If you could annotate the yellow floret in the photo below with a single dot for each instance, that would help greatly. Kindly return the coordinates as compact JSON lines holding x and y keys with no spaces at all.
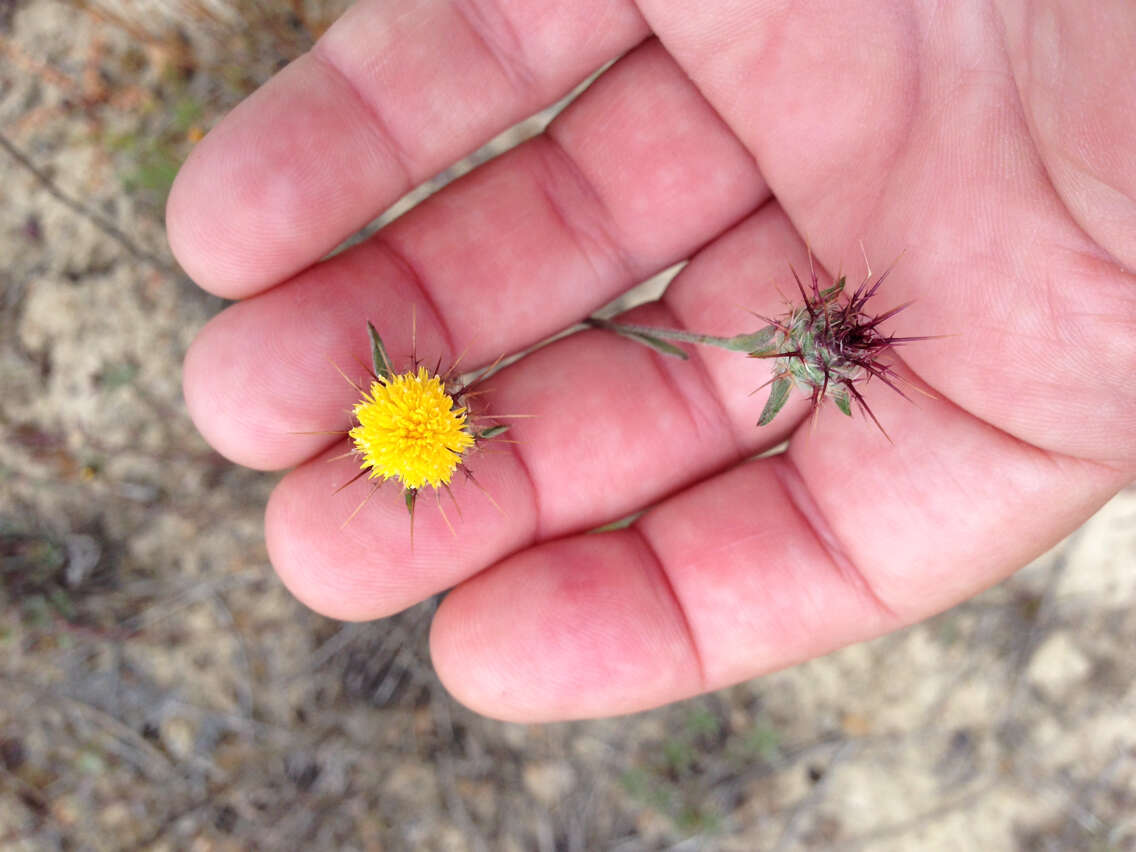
{"x":410,"y":430}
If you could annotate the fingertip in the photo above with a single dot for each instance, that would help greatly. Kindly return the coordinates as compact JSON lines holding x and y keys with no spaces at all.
{"x":345,"y":548}
{"x":183,"y":232}
{"x":577,"y":628}
{"x":345,"y":545}
{"x":207,"y":225}
{"x":309,"y":563}
{"x":202,"y":399}
{"x":222,"y":380}
{"x":266,"y":194}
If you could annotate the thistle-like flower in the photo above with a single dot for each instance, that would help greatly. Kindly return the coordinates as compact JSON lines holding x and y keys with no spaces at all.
{"x":414,"y":427}
{"x":410,"y":430}
{"x":825,"y":346}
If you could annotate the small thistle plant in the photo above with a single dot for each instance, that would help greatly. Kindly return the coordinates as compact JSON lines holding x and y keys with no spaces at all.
{"x":414,"y":427}
{"x":417,"y":427}
{"x":825,"y":346}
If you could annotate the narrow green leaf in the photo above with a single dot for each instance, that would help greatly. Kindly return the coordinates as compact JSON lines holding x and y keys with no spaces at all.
{"x":642,"y":334}
{"x":410,"y":495}
{"x":760,"y":340}
{"x":834,"y":290}
{"x":843,"y":403}
{"x":492,"y":432}
{"x":379,"y":357}
{"x":777,"y":398}
{"x":658,"y":345}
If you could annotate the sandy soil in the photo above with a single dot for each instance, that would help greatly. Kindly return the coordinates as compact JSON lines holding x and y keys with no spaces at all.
{"x":162,"y":691}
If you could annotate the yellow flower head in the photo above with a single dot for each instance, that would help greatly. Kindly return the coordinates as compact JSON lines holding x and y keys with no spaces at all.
{"x":410,"y":430}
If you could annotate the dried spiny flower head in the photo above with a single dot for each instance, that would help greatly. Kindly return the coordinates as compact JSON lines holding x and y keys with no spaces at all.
{"x":825,"y":346}
{"x":828,"y":345}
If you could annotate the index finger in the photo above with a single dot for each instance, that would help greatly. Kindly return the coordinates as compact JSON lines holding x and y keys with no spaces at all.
{"x":394,"y":92}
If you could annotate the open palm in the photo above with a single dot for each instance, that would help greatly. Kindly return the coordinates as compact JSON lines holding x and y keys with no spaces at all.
{"x":992,"y":145}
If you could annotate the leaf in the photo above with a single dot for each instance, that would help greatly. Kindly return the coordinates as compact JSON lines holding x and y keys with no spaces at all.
{"x":379,"y":357}
{"x":834,"y":290}
{"x":777,"y":398}
{"x":760,"y":340}
{"x":410,"y":495}
{"x":639,"y":334}
{"x":657,"y":344}
{"x":493,"y":431}
{"x":843,"y":403}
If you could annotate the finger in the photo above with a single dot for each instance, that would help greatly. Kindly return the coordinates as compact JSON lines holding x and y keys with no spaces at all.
{"x":391,"y":94}
{"x":599,"y":624}
{"x":1077,"y":97}
{"x":773,"y":563}
{"x":354,"y":553}
{"x":635,"y":175}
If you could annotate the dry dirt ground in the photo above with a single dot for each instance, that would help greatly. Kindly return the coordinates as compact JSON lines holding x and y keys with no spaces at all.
{"x":160,"y":690}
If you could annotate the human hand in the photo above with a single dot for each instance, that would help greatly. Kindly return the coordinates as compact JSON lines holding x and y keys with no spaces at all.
{"x":989,"y":142}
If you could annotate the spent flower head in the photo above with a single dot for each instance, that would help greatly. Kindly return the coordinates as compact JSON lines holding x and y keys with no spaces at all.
{"x":826,"y":345}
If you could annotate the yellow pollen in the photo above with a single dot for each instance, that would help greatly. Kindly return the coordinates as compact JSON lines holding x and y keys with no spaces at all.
{"x":410,"y":430}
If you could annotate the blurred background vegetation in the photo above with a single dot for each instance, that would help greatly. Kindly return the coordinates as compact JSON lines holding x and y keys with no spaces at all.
{"x":160,"y":690}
